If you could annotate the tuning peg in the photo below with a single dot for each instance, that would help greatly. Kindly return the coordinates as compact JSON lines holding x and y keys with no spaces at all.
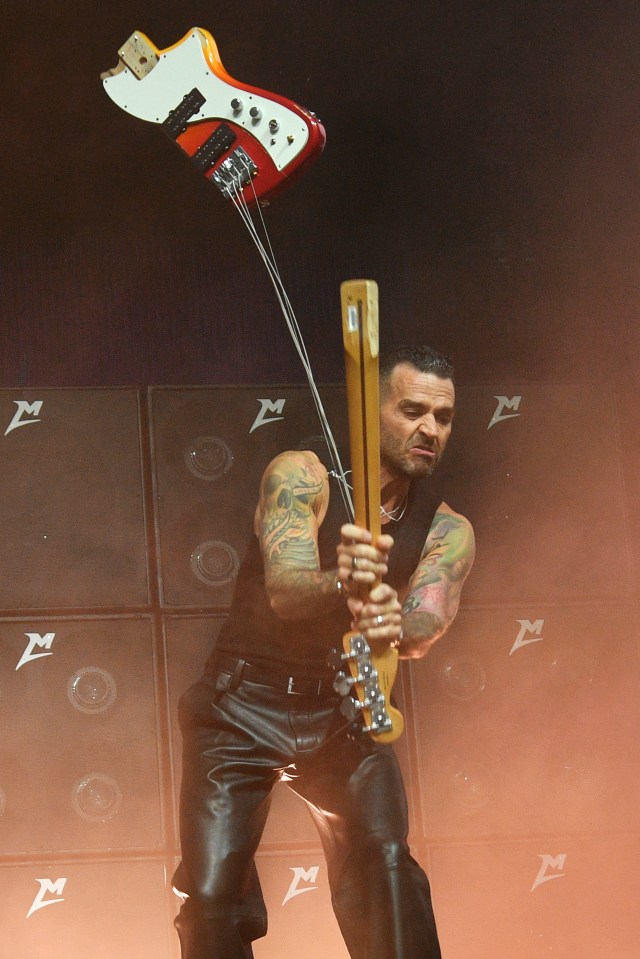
{"x":380,"y":722}
{"x":335,"y":659}
{"x":350,"y":709}
{"x":358,"y":645}
{"x":343,"y":683}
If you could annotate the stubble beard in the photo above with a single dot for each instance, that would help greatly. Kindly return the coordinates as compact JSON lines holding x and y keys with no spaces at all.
{"x":396,"y":461}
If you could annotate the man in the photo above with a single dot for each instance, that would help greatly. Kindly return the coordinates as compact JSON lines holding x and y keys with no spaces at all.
{"x":266,"y":707}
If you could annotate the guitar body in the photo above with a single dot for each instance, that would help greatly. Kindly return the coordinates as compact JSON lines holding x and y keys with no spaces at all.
{"x":242,"y":138}
{"x":373,"y":666}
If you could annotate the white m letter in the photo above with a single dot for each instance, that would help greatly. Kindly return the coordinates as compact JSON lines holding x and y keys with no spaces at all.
{"x":27,"y":409}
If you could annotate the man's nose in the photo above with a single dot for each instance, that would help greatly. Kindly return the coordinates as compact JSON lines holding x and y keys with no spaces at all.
{"x":428,"y":425}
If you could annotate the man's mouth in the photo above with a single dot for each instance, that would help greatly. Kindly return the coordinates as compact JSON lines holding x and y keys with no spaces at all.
{"x":425,"y":451}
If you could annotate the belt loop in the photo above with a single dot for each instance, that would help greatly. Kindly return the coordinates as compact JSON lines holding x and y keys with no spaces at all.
{"x":236,"y":676}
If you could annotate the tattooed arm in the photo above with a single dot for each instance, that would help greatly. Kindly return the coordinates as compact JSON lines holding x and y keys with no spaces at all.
{"x":294,"y":496}
{"x":434,"y":590}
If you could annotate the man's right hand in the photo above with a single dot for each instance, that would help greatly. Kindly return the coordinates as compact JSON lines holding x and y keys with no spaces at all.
{"x":361,"y":561}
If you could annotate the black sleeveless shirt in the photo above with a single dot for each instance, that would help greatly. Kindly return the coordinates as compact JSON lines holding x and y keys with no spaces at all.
{"x":254,"y":633}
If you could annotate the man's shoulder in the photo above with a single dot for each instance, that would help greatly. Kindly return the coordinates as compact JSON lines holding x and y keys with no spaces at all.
{"x":444,"y":511}
{"x":296,"y":461}
{"x":295,"y":481}
{"x":448,"y":522}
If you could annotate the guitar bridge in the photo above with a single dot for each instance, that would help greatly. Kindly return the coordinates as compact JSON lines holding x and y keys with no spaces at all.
{"x":234,"y":172}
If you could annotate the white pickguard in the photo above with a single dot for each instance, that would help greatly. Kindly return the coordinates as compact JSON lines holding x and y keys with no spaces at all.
{"x":184,"y":67}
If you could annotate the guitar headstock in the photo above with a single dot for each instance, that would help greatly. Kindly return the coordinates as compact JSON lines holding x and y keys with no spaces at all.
{"x":372,"y":673}
{"x":360,"y":322}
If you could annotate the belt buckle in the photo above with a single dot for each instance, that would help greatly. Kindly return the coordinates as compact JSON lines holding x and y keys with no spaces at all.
{"x":291,"y":681}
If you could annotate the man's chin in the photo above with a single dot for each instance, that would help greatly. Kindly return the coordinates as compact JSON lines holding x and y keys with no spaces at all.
{"x":418,"y":469}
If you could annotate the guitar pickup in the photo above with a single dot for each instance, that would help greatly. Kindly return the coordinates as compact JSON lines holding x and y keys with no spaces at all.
{"x":178,"y":118}
{"x":234,"y":172}
{"x":214,"y":147}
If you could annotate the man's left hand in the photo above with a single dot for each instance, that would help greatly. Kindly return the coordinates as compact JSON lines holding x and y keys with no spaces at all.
{"x":379,"y":616}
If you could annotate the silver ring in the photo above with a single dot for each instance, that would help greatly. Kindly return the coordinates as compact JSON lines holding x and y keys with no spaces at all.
{"x":354,"y":562}
{"x":379,"y":620}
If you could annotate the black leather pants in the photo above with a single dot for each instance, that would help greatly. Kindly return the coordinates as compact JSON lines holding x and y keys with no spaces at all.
{"x":237,"y":743}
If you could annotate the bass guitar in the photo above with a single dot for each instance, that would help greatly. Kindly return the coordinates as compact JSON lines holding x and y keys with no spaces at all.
{"x":372,"y":666}
{"x":248,"y":142}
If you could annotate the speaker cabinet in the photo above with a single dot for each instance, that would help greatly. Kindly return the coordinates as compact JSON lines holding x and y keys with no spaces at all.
{"x":555,"y":897}
{"x":80,"y":750}
{"x":628,"y":430}
{"x":536,"y":469}
{"x":58,"y":909}
{"x":71,"y":510}
{"x":524,"y":718}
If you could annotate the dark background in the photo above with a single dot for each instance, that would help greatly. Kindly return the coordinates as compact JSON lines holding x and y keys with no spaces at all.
{"x":481,"y":165}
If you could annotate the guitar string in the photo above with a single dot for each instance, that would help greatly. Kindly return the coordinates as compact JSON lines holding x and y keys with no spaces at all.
{"x":269,"y":259}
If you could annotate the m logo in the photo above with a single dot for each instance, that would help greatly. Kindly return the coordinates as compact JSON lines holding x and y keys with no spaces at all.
{"x":549,"y":862}
{"x":36,"y":641}
{"x":47,"y":886}
{"x":527,"y":628}
{"x":30,"y":412}
{"x":504,"y":403}
{"x":301,"y":875}
{"x":268,"y":406}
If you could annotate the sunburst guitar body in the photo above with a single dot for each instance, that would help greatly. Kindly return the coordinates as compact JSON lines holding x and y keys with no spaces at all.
{"x":243,"y":139}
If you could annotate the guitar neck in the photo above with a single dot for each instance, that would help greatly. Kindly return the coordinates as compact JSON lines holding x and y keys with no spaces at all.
{"x":359,"y":299}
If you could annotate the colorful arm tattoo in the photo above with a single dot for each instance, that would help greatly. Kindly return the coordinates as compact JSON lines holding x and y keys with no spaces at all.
{"x":434,"y":590}
{"x":293,"y":492}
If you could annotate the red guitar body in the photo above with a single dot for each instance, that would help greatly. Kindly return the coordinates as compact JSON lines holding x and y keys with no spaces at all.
{"x":247,"y":141}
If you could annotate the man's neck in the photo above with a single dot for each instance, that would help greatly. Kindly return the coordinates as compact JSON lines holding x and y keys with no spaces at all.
{"x":393,"y":491}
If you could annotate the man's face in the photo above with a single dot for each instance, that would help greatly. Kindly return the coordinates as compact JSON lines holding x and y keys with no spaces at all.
{"x":416,"y":413}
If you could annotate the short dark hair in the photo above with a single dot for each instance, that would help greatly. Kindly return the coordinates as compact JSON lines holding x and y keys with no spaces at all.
{"x":423,"y":358}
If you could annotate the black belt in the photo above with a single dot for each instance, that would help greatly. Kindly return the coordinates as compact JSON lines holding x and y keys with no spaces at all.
{"x":274,"y":677}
